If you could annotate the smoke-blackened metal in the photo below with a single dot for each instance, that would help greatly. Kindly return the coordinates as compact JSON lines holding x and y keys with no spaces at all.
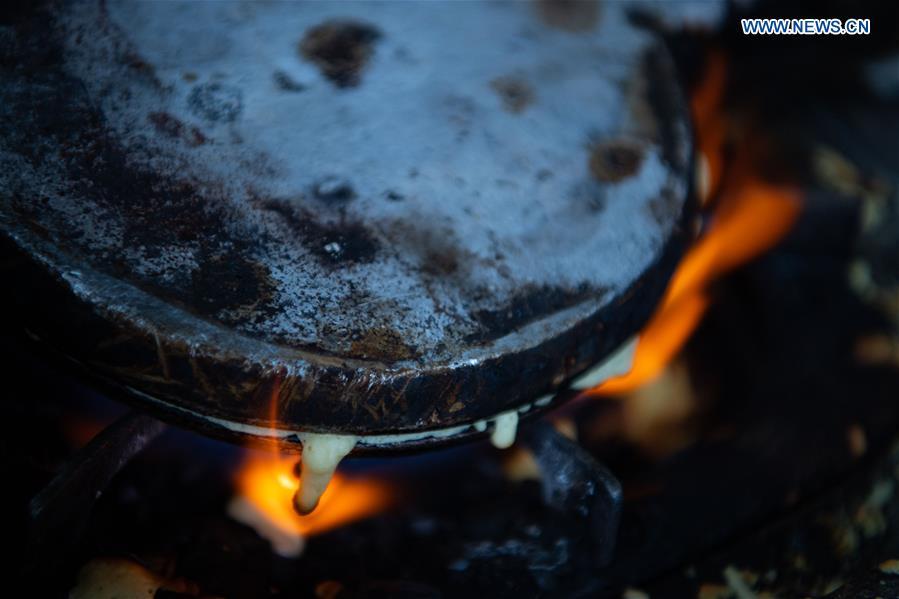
{"x":389,"y":218}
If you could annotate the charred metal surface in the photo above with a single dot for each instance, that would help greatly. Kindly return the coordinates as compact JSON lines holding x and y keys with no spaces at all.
{"x":576,"y":483}
{"x":393,"y":249}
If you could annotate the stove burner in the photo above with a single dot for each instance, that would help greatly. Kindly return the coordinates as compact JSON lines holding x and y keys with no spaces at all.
{"x":409,"y":236}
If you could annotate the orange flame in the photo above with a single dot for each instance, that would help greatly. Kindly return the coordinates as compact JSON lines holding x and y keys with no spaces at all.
{"x":268,"y":483}
{"x":750,"y":217}
{"x":711,"y":130}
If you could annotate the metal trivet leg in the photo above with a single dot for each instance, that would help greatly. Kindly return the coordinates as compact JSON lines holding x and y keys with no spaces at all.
{"x":575,"y":482}
{"x":59,"y":513}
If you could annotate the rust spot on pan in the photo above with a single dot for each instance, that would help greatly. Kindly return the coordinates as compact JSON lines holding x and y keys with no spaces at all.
{"x":616,"y":160}
{"x":340,"y":49}
{"x":381,"y":343}
{"x":515,"y":93}
{"x":576,"y":16}
{"x":172,"y":127}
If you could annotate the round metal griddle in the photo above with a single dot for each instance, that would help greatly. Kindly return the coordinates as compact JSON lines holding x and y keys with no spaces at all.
{"x":342,"y":217}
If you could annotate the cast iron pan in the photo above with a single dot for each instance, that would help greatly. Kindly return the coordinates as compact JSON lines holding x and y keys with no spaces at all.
{"x":362,"y":218}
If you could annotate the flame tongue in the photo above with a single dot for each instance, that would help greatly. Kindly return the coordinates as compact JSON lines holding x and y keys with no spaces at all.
{"x":750,"y":216}
{"x":321,"y":454}
{"x":266,"y":482}
{"x":270,"y":499}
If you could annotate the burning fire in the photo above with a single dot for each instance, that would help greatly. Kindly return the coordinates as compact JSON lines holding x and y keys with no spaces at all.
{"x":750,"y":216}
{"x":266,"y":484}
